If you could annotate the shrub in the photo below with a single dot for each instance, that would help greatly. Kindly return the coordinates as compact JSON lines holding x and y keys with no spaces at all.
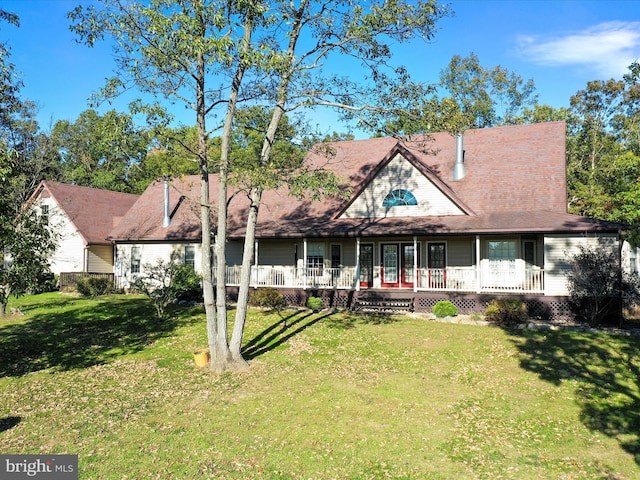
{"x":159,"y":284}
{"x":44,"y":282}
{"x":314,"y":303}
{"x":444,"y":308}
{"x":94,"y":286}
{"x":187,"y":284}
{"x":598,"y":287}
{"x":506,"y":312}
{"x":266,"y":297}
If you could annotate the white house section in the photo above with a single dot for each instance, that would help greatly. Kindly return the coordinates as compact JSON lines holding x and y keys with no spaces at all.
{"x":132,"y":259}
{"x":69,"y":255}
{"x":401,"y":190}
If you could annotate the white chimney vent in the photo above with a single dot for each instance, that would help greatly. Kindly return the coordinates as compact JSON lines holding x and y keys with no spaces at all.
{"x":166,"y":221}
{"x":459,"y":170}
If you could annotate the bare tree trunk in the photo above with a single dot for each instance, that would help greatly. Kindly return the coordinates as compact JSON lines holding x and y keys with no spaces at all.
{"x":221,"y":236}
{"x":250,"y":236}
{"x":215,"y":329}
{"x":245,"y":276}
{"x":220,"y":361}
{"x":256,"y":193}
{"x":205,"y":209}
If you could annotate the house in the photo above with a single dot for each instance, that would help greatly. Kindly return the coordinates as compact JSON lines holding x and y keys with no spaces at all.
{"x":464,"y":218}
{"x":81,"y":218}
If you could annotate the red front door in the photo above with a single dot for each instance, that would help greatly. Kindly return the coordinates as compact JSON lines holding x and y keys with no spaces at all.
{"x":397,"y":262}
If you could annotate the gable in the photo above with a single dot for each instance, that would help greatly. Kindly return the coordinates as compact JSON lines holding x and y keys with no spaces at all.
{"x":401,"y":177}
{"x":89,"y":212}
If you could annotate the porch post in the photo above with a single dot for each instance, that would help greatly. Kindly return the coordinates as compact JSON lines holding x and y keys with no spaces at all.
{"x":357,"y":279}
{"x":478,"y":266}
{"x":304,"y":263}
{"x":415,"y":263}
{"x":255,"y":259}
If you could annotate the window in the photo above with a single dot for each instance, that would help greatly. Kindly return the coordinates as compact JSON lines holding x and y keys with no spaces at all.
{"x":502,"y":254}
{"x":315,"y":257}
{"x":399,"y":197}
{"x":44,"y":209}
{"x":135,"y":259}
{"x":190,"y":256}
{"x":335,"y":256}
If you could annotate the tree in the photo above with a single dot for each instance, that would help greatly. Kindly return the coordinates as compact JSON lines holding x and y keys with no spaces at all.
{"x":603,"y":153}
{"x":10,"y":103}
{"x":173,"y":153}
{"x":100,"y":150}
{"x":598,"y":287}
{"x":196,"y":53}
{"x":9,"y":82}
{"x":336,"y":28}
{"x":214,"y":55}
{"x":33,"y":156}
{"x":469,"y":95}
{"x":24,"y":238}
{"x":26,"y":251}
{"x":490,"y":97}
{"x":546,"y":113}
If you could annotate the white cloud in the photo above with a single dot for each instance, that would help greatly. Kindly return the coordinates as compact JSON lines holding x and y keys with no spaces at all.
{"x":608,"y":48}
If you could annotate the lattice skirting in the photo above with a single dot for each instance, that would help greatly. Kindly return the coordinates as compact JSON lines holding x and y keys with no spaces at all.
{"x":540,"y":307}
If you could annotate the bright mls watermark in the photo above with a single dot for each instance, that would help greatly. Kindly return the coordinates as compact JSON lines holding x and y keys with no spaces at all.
{"x":45,"y":467}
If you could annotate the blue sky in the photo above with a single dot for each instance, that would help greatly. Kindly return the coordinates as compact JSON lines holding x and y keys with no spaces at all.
{"x":560,"y":44}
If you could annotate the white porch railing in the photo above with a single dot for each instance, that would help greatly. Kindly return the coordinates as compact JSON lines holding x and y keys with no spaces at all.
{"x":456,"y":279}
{"x":469,"y":279}
{"x":287,"y":276}
{"x":527,"y":280}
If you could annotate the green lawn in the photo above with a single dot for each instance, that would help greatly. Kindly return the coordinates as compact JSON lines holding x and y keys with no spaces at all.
{"x":328,"y":396}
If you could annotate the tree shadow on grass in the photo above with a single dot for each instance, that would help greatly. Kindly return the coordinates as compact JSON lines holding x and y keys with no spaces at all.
{"x":606,"y":369}
{"x":351,"y":320}
{"x":7,"y":423}
{"x":78,"y":333}
{"x":295,"y":322}
{"x":280,"y":332}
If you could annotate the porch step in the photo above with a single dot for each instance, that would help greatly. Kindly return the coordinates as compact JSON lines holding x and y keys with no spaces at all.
{"x":382,"y":305}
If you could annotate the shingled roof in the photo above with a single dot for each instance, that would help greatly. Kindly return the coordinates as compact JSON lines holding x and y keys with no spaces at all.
{"x":515,"y":181}
{"x":93,"y":211}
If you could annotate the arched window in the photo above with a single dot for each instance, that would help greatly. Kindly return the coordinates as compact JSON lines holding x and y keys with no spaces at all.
{"x":399,"y":197}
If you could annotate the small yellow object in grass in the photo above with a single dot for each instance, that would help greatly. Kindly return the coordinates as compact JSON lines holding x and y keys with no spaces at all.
{"x":201,"y":357}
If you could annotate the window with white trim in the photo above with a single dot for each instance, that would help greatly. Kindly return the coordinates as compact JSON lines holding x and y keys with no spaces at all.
{"x":399,"y":197}
{"x":502,"y":253}
{"x":136,"y":253}
{"x":44,"y":212}
{"x":315,"y":257}
{"x":190,"y":256}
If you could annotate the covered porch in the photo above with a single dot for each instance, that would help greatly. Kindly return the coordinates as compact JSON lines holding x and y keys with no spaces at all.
{"x":463,"y":264}
{"x":451,"y":279}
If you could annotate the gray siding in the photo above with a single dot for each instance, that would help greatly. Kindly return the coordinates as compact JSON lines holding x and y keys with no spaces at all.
{"x":460,"y":252}
{"x":276,"y":252}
